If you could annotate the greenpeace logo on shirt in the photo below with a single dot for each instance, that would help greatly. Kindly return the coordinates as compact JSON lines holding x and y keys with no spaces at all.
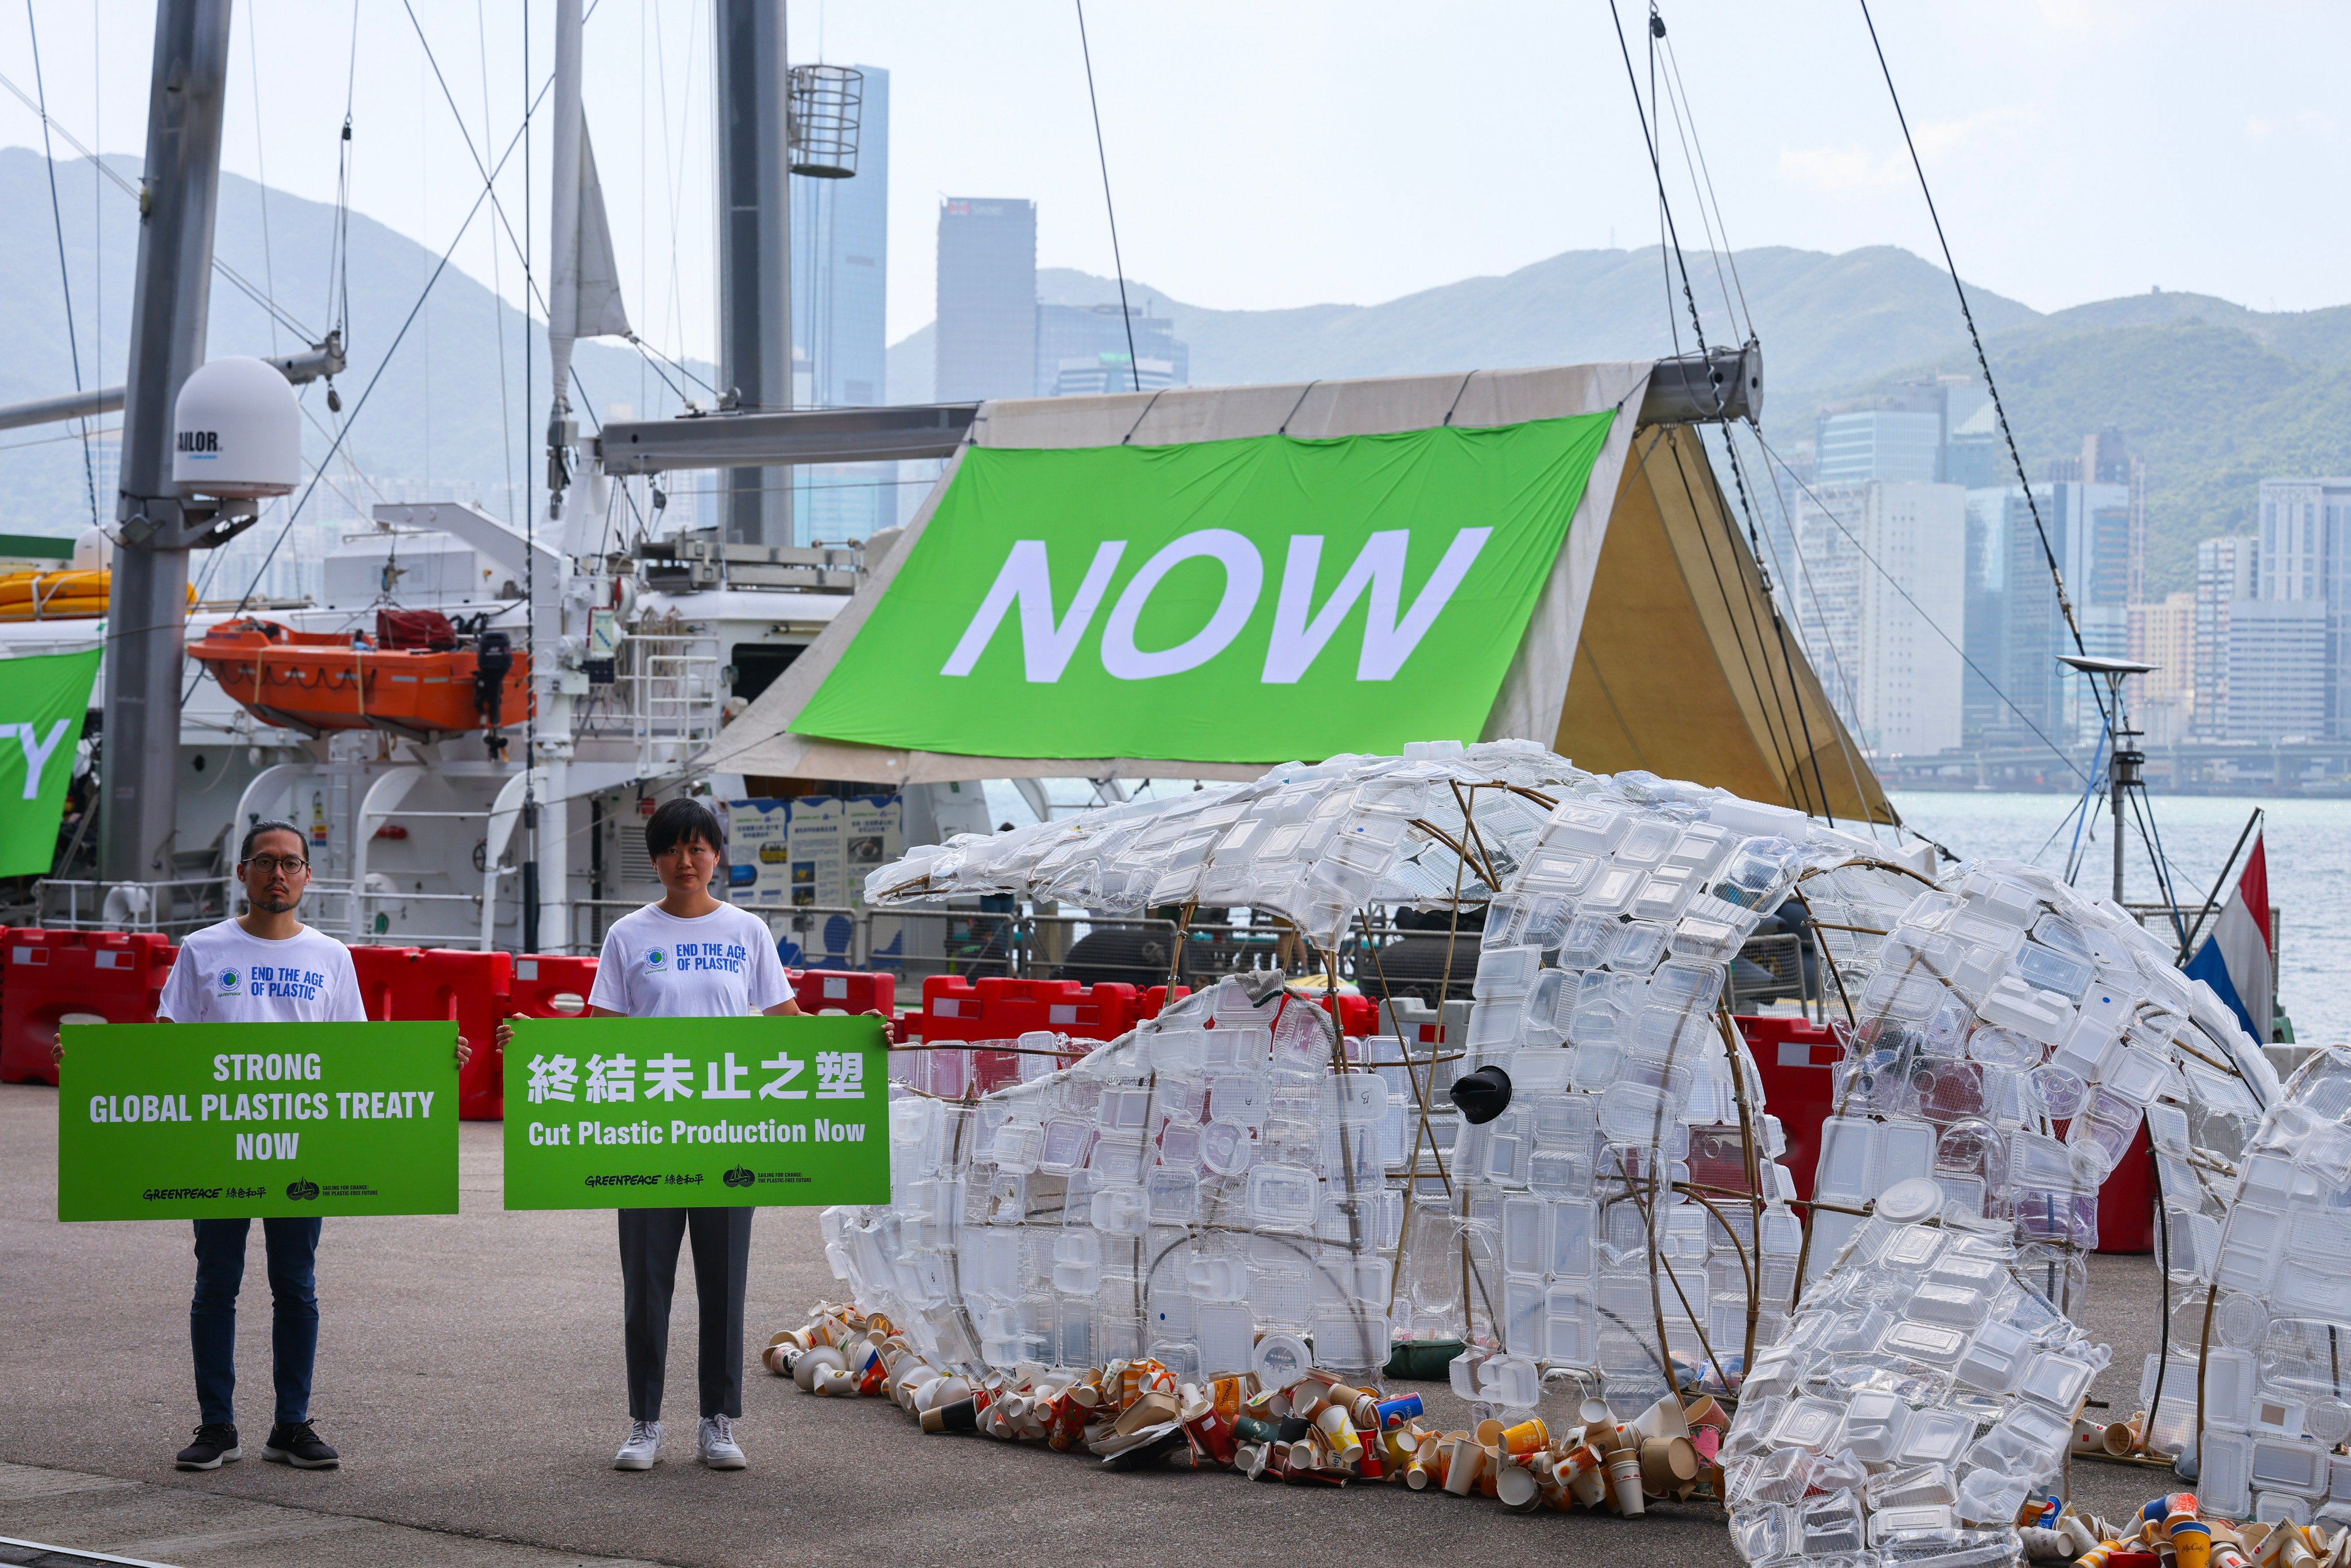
{"x":280,"y":981}
{"x":710,"y":957}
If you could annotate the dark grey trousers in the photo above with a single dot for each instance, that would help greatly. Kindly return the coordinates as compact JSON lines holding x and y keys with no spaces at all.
{"x":722,"y":1260}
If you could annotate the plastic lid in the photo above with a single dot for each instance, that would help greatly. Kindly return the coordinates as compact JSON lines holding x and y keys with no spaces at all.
{"x":1908,"y":1202}
{"x":1281,"y":1359}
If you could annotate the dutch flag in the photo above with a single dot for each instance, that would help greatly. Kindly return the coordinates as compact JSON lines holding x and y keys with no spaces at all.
{"x":2234,"y":960}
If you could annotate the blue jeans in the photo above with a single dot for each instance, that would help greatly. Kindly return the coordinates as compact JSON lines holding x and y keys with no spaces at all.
{"x":292,"y":1246}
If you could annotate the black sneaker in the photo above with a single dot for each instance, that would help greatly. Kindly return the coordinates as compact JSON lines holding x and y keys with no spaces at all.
{"x":215,"y":1441}
{"x":297,"y":1445}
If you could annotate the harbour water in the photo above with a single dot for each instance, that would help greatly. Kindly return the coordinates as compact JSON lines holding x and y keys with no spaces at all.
{"x":2309,"y":863}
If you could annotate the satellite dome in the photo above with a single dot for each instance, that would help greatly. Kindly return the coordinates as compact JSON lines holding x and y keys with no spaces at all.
{"x":236,"y":432}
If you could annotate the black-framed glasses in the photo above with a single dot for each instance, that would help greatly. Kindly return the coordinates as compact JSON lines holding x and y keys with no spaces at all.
{"x":269,"y":864}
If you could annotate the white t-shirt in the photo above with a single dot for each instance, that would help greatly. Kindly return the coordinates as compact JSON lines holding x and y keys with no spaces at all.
{"x":226,"y":974}
{"x":719,"y":965}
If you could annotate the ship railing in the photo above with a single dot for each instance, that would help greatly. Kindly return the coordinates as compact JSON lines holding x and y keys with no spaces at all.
{"x":334,"y":906}
{"x":670,"y":689}
{"x":173,"y":908}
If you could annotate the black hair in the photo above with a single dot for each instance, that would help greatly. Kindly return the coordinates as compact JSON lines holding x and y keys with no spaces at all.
{"x":684,"y":821}
{"x":245,"y":851}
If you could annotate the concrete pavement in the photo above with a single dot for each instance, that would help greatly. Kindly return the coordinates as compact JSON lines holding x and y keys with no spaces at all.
{"x":469,"y":1369}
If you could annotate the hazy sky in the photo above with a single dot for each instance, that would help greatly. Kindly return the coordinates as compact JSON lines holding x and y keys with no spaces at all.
{"x":1295,"y":152}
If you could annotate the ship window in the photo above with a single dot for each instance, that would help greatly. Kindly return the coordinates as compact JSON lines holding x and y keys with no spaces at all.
{"x":756,"y":665}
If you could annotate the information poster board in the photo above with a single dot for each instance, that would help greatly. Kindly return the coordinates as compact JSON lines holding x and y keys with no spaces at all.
{"x":217,"y":1121}
{"x":696,"y":1113}
{"x":805,"y":858}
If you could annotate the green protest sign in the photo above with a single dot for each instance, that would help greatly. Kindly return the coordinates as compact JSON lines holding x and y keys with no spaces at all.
{"x":213,"y":1121}
{"x":1247,"y":601}
{"x":41,"y":707}
{"x":696,"y":1113}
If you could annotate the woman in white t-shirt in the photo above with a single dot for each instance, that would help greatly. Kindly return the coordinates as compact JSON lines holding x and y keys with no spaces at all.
{"x":638,"y":977}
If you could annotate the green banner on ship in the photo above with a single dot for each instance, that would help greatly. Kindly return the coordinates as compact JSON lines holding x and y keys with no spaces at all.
{"x":696,"y":1113}
{"x":213,"y":1121}
{"x":1253,"y":600}
{"x":42,"y":702}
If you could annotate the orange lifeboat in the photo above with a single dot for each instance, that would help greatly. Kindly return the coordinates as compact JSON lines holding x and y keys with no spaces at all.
{"x":315,"y":681}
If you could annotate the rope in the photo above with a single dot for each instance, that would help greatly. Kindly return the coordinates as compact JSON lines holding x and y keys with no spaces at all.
{"x":65,"y":277}
{"x":1126,"y":317}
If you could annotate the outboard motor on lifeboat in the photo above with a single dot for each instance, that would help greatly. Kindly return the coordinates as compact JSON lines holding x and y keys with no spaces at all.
{"x":493,"y":658}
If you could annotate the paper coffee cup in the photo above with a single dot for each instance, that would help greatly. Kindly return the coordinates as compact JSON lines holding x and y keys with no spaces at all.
{"x":1625,"y":1481}
{"x":1667,"y":1464}
{"x":1526,"y":1437}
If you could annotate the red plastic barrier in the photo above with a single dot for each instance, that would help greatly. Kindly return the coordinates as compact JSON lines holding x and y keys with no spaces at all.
{"x":550,"y":986}
{"x":2127,"y":1201}
{"x":845,"y":991}
{"x":1794,"y":1060}
{"x":1358,"y":1017}
{"x":116,"y":975}
{"x":998,"y":1008}
{"x":420,"y":984}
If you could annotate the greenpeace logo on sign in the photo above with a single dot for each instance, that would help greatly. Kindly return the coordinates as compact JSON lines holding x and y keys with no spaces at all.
{"x":1302,"y":629}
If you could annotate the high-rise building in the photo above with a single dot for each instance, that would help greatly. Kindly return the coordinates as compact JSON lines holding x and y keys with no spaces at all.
{"x":840,"y":268}
{"x":1085,"y":349}
{"x":1894,"y":446}
{"x":2225,"y":580}
{"x":2016,"y":633}
{"x":2163,"y":701}
{"x":1936,"y":430}
{"x":2305,"y":555}
{"x":2276,"y":670}
{"x":2105,"y":460}
{"x":986,"y":324}
{"x":1882,"y":610}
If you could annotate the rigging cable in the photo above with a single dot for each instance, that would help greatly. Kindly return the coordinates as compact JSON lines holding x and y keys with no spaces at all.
{"x":1702,"y":182}
{"x":498,"y":281}
{"x":236,"y":280}
{"x":65,"y":276}
{"x":1133,"y":365}
{"x":2112,"y":721}
{"x":1876,"y":566}
{"x":1836,"y":663}
{"x":1714,"y":380}
{"x":261,"y":169}
{"x":318,"y":475}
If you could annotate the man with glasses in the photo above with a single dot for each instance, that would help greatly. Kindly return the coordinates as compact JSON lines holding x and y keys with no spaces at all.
{"x":263,"y":966}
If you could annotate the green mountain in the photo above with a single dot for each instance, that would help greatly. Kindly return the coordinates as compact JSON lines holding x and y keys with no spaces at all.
{"x":449,"y":408}
{"x":2213,"y":395}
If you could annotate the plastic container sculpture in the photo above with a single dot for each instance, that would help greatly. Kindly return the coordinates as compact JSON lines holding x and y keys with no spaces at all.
{"x":2271,"y":1317}
{"x":2005,"y":1007}
{"x":1925,"y":1390}
{"x":1200,"y":1182}
{"x":1227,"y":1170}
{"x":1623,"y":1219}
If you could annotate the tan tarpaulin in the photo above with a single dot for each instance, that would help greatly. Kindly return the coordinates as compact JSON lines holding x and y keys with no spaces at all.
{"x":1651,"y":645}
{"x":1680,"y":667}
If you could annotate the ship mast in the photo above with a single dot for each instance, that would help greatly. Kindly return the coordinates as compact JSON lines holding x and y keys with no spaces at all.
{"x":147,"y":605}
{"x":755,"y":252}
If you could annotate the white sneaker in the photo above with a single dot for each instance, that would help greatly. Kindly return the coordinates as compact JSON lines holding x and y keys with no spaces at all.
{"x":642,"y":1447}
{"x":719,"y":1449}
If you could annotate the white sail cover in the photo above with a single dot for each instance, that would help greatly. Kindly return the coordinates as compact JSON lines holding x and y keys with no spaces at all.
{"x":583,"y":296}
